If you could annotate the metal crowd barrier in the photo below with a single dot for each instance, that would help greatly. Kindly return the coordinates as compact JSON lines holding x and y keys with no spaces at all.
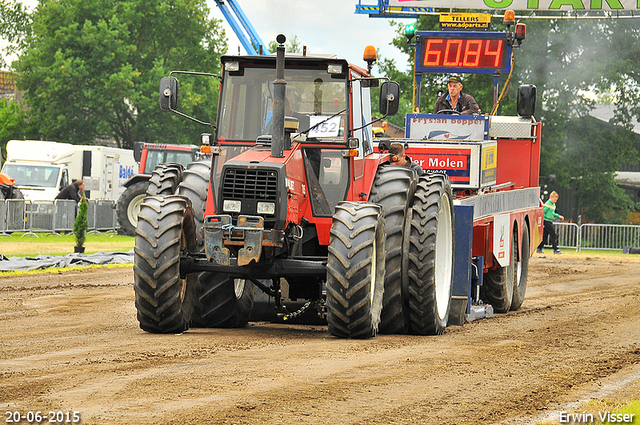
{"x":597,"y":236}
{"x":568,"y":235}
{"x":609,"y":236}
{"x":32,"y":217}
{"x":3,"y":217}
{"x":16,"y":215}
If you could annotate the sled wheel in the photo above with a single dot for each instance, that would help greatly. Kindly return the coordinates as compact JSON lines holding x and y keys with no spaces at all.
{"x":521,"y":272}
{"x":498,"y":285}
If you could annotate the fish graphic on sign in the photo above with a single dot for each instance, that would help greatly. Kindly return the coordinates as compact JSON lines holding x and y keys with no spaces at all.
{"x":439,"y":134}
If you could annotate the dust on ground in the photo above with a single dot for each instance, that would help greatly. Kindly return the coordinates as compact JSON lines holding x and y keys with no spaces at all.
{"x":70,"y":342}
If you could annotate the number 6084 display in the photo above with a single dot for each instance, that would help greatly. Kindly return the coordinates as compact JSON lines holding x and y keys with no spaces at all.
{"x":443,"y":52}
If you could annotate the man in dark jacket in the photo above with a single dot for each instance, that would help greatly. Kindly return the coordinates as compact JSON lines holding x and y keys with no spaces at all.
{"x":398,"y":157}
{"x":74,"y":191}
{"x":455,"y":100}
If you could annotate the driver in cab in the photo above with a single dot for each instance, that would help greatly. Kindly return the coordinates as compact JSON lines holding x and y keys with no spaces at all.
{"x":455,"y":101}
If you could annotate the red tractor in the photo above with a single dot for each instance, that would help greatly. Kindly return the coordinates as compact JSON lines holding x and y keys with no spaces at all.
{"x":296,"y":203}
{"x":173,"y":158}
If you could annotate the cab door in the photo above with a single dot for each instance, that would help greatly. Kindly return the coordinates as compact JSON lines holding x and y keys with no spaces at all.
{"x":361,"y":116}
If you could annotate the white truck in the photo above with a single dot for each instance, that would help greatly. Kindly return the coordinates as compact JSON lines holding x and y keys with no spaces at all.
{"x":41,"y":169}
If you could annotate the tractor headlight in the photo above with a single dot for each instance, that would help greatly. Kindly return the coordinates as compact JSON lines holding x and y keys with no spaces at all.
{"x":232,"y":66}
{"x":266,"y":208}
{"x":231,"y":206}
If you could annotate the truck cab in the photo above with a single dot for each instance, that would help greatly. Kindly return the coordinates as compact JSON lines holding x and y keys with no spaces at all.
{"x":40,"y":168}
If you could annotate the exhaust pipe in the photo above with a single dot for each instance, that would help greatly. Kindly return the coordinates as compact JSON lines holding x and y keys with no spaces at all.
{"x":279,"y":93}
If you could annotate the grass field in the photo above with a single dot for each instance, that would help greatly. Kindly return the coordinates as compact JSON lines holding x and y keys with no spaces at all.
{"x":20,"y":244}
{"x":25,"y":245}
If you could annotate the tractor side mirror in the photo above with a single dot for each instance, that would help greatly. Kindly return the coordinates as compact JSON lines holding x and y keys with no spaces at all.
{"x":169,"y":93}
{"x":389,"y":98}
{"x":526,"y":106}
{"x":137,"y":151}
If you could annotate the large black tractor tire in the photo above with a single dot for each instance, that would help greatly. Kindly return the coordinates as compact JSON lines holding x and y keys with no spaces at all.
{"x":393,"y":190}
{"x":164,"y":301}
{"x":431,"y":254}
{"x":194,"y":185}
{"x":165,"y":179}
{"x":521,"y":271}
{"x":498,"y":285}
{"x":128,"y":207}
{"x":355,"y":270}
{"x":223,"y":302}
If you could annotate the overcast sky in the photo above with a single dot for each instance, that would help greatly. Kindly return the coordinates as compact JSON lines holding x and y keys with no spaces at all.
{"x":324,"y":26}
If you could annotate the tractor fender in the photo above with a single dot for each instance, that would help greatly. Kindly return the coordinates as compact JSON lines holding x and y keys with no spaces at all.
{"x":137,"y":178}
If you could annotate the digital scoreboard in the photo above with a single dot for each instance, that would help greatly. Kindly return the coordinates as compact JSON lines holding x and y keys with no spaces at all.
{"x":463,"y":52}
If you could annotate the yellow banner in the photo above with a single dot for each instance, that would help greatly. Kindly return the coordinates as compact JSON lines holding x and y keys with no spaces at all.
{"x":465,"y":21}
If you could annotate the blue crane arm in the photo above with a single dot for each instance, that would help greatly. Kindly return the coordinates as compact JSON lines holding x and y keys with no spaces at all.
{"x":241,"y":26}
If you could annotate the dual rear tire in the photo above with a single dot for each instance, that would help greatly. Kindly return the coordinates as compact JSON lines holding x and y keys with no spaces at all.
{"x":413,"y":262}
{"x":431,"y":253}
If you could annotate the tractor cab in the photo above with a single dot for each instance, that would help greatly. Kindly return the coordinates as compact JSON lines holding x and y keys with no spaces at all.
{"x":309,"y":151}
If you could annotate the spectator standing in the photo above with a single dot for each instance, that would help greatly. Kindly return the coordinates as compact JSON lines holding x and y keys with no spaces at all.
{"x":549,"y":230}
{"x":74,"y":191}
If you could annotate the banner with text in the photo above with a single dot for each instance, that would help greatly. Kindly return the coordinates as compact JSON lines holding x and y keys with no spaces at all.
{"x":531,"y":5}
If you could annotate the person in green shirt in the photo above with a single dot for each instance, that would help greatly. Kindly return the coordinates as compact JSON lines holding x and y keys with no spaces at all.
{"x":549,"y":230}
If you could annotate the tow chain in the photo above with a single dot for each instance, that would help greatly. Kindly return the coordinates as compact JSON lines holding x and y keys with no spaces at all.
{"x":297,"y":313}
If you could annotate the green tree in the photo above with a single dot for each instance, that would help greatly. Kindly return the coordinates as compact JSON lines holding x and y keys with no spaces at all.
{"x":293,"y":45}
{"x":569,"y":61}
{"x":91,"y":68}
{"x":81,"y":223}
{"x":14,"y":123}
{"x":15,"y":25}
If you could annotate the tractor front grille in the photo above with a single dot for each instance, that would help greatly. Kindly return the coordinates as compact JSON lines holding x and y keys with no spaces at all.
{"x":250,"y":184}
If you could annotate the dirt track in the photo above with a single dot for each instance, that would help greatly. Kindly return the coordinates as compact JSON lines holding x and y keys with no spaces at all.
{"x":71,"y":342}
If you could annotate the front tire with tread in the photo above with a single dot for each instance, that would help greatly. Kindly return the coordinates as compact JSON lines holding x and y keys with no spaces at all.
{"x":355,"y":270}
{"x":164,"y":301}
{"x":165,"y":179}
{"x":194,"y":185}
